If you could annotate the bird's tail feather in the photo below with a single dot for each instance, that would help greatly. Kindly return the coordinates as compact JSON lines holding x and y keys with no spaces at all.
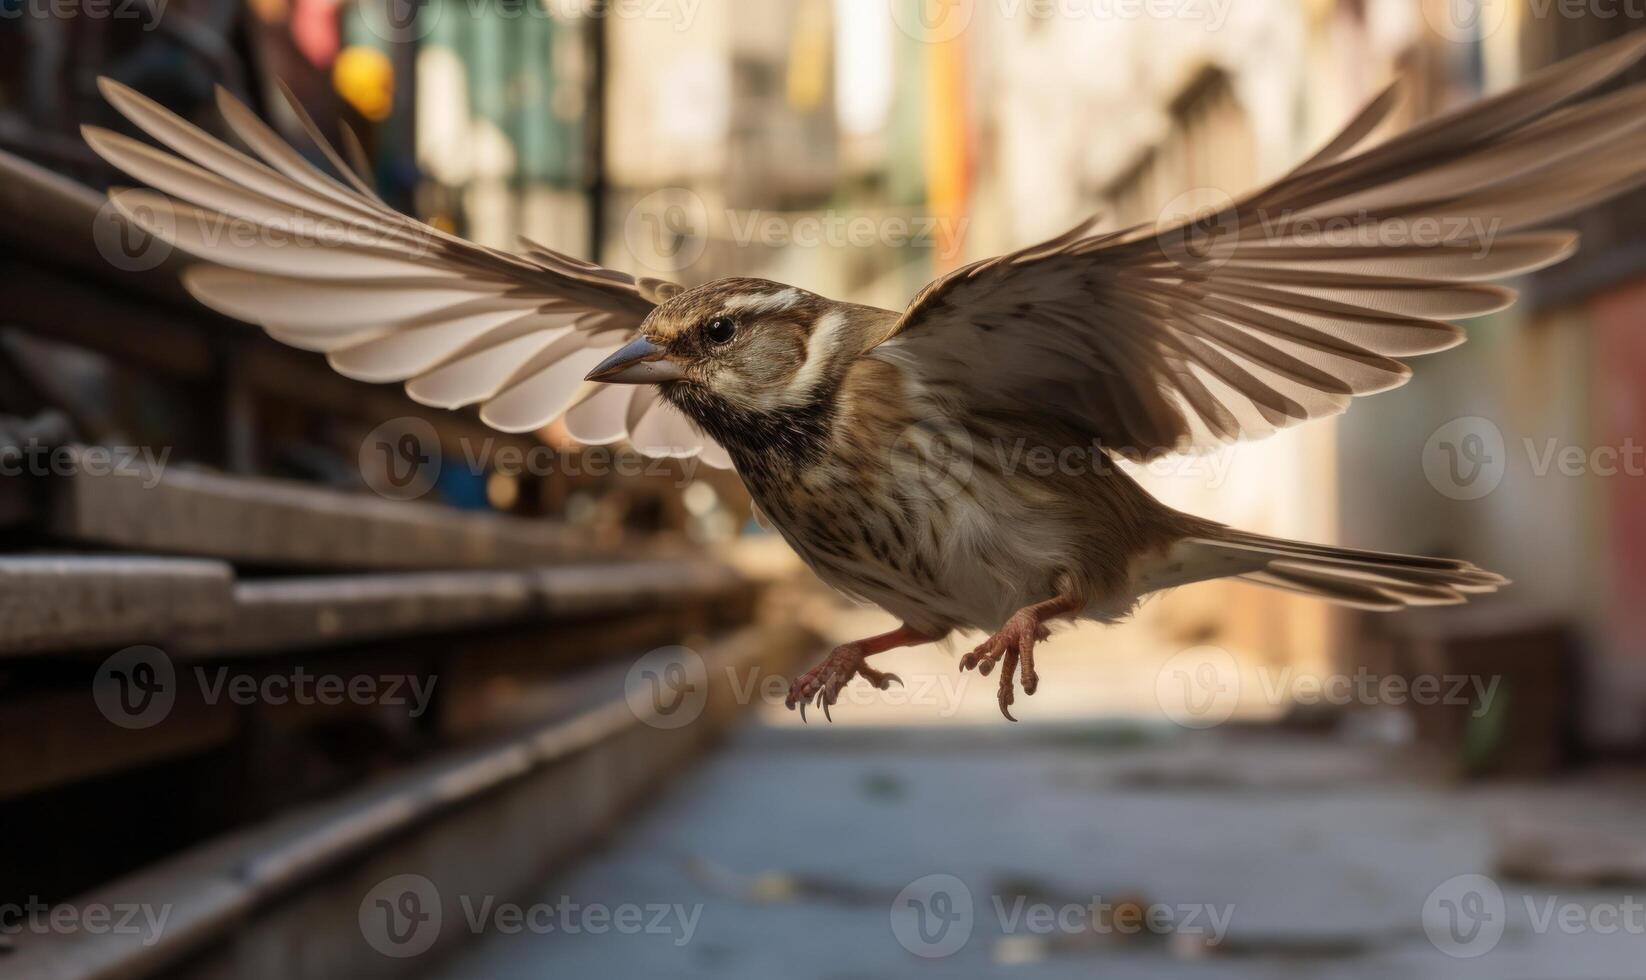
{"x":1363,"y":579}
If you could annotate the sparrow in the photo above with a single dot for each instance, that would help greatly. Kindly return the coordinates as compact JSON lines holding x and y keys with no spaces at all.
{"x":871,"y":438}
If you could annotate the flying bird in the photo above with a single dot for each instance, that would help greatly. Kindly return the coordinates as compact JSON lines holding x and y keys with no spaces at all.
{"x":868,"y":436}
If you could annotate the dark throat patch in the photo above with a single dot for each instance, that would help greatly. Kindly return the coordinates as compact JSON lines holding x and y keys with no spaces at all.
{"x":767,"y":445}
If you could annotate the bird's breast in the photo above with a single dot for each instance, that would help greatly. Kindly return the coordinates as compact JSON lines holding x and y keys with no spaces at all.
{"x":937,"y":561}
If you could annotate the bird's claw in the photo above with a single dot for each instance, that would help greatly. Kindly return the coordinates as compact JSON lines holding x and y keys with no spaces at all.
{"x":821,"y":686}
{"x":1013,"y":648}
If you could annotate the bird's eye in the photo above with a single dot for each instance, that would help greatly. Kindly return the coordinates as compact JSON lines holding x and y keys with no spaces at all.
{"x":719,"y":330}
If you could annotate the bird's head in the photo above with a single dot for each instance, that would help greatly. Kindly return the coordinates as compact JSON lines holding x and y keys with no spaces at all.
{"x":749,"y":345}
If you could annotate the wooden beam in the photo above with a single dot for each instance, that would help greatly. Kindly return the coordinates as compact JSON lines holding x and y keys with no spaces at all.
{"x":585,"y":590}
{"x":469,"y":628}
{"x":255,"y":521}
{"x":58,"y":219}
{"x":287,"y":614}
{"x":63,"y":736}
{"x":80,"y":602}
{"x":279,"y":615}
{"x":195,"y":609}
{"x":158,"y":336}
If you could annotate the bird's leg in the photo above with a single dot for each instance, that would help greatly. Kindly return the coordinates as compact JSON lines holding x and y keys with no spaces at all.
{"x":1013,"y":646}
{"x":823,"y":683}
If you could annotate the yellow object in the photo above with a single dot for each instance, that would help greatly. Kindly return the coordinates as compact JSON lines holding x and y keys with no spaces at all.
{"x":947,"y":147}
{"x":502,"y":490}
{"x":364,"y":77}
{"x":810,"y":52}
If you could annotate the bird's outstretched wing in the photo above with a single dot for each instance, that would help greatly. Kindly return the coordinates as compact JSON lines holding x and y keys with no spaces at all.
{"x":1283,"y":306}
{"x":327,"y":266}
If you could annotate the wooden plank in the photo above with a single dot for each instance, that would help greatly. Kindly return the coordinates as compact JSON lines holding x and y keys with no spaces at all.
{"x":288,"y":524}
{"x":534,"y":663}
{"x":196,"y":616}
{"x":195,"y":608}
{"x":55,"y":217}
{"x":282,"y":615}
{"x":238,"y":906}
{"x":128,"y":327}
{"x":75,"y":602}
{"x":584,"y":590}
{"x":63,"y":736}
{"x":293,"y":614}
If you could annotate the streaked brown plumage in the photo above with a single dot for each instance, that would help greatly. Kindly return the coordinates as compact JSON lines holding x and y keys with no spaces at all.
{"x":870,"y":438}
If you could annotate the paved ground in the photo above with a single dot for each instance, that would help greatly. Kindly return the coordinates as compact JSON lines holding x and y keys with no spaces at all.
{"x":855,"y":851}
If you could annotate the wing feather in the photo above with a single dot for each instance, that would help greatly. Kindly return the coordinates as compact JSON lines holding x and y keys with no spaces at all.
{"x":600,"y":414}
{"x":532,"y":398}
{"x":408,"y":352}
{"x":1288,"y":303}
{"x":478,"y":376}
{"x":324,"y":264}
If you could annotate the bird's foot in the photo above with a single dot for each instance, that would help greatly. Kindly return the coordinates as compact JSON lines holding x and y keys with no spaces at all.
{"x":822,"y":684}
{"x":1013,"y":648}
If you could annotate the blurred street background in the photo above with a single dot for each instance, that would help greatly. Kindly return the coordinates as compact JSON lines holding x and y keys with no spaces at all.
{"x":299,"y":678}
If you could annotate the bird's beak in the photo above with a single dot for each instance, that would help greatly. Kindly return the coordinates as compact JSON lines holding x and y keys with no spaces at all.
{"x":638,"y":362}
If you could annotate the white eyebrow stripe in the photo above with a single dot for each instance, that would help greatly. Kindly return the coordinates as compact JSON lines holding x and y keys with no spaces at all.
{"x":826,"y":337}
{"x":764,"y":302}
